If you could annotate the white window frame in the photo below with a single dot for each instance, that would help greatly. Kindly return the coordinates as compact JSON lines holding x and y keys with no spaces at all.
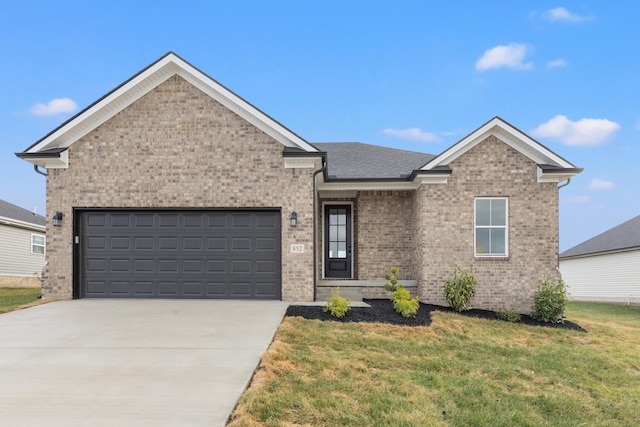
{"x":505,"y":227}
{"x":43,"y":245}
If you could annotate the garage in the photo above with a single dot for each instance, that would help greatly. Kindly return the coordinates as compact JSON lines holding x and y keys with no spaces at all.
{"x":232,"y":254}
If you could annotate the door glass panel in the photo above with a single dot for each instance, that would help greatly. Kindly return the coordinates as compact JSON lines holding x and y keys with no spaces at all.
{"x":333,"y":233}
{"x":337,"y":233}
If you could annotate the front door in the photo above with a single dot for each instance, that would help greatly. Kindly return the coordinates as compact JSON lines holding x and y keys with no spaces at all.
{"x":337,"y":238}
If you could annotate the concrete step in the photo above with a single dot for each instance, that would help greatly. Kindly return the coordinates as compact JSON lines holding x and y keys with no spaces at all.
{"x":323,"y":293}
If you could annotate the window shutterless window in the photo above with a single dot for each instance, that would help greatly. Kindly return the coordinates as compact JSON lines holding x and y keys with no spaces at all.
{"x":491,"y":226}
{"x":37,"y":244}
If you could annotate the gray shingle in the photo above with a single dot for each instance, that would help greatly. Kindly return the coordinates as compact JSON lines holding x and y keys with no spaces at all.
{"x":355,"y":160}
{"x":623,"y":236}
{"x":12,"y":211}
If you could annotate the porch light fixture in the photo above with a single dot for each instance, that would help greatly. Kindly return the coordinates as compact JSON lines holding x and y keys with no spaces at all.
{"x":57,"y":219}
{"x":294,"y":219}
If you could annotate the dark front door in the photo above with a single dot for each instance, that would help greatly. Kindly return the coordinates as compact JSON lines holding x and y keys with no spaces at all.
{"x":337,"y":238}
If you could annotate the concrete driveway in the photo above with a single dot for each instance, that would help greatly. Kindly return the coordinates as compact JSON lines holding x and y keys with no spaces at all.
{"x":131,"y":362}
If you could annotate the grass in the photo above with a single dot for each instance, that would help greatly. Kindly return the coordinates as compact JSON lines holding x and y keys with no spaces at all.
{"x":458,"y":371}
{"x":16,"y":298}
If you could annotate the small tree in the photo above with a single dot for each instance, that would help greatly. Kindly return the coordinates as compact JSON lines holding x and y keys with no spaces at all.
{"x":550,"y":301}
{"x":460,"y":289}
{"x":402,"y":301}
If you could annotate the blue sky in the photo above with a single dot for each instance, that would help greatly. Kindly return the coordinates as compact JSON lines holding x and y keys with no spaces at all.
{"x":414,"y":75}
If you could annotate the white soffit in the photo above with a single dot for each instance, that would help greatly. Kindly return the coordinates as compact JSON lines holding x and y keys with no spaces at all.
{"x":146,"y":81}
{"x":506,"y":133}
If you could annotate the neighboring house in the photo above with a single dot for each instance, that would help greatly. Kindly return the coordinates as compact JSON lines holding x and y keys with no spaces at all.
{"x":22,"y":246}
{"x":605,"y":267}
{"x":173,"y":186}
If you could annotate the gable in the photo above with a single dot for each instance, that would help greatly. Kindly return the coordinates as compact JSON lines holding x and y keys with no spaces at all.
{"x":551,"y":167}
{"x":50,"y":151}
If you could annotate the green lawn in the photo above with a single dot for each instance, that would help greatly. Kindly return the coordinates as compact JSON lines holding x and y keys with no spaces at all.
{"x":458,"y":371}
{"x":14,"y":298}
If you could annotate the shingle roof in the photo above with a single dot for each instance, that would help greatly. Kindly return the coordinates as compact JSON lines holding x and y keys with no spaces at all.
{"x":355,"y":160}
{"x":12,"y":211}
{"x":623,"y":236}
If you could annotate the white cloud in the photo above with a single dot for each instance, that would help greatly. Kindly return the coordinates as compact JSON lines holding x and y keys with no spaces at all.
{"x":561,"y":14}
{"x":414,"y":134}
{"x":557,"y":63}
{"x":53,"y":107}
{"x":576,"y":199}
{"x":584,"y":132}
{"x":510,"y":56}
{"x":599,"y":184}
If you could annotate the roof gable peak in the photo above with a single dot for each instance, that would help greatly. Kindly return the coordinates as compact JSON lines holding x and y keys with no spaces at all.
{"x":139,"y":85}
{"x":508,"y":134}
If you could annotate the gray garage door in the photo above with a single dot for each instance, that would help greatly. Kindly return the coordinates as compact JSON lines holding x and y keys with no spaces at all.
{"x":179,"y":254}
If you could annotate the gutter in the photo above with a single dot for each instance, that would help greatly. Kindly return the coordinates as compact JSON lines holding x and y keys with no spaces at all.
{"x":315,"y":226}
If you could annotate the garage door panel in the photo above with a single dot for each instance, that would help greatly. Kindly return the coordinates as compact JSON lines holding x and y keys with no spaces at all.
{"x":182,"y":254}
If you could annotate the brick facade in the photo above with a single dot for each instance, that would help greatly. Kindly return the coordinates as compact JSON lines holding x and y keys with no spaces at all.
{"x":177,"y":147}
{"x":445,"y":228}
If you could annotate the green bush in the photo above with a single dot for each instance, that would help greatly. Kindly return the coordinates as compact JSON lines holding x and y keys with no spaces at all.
{"x":459,"y":290}
{"x":337,"y":305}
{"x":402,"y":301}
{"x":508,"y":315}
{"x":391,"y":277}
{"x":550,"y":301}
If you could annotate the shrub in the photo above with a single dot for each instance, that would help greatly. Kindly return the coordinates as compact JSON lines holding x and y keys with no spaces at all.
{"x":337,"y":305}
{"x":459,"y":290}
{"x":508,"y":315}
{"x":402,"y":301}
{"x":550,"y":301}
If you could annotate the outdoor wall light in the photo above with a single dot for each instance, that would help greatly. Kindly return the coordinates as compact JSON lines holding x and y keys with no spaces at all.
{"x":57,"y":219}
{"x":294,"y":219}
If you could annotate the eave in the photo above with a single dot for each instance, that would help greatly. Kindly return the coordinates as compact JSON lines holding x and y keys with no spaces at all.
{"x":138,"y":86}
{"x":22,"y":224}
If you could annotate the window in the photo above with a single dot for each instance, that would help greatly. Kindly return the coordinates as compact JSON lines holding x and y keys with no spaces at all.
{"x":37,"y":244}
{"x":491,"y":219}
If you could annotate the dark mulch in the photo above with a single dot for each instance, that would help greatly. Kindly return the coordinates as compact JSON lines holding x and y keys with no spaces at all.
{"x":382,"y":311}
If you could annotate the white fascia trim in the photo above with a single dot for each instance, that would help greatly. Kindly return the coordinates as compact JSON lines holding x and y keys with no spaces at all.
{"x":367,"y":186}
{"x":22,"y":224}
{"x":302,"y":162}
{"x":506,"y":133}
{"x":149,"y":79}
{"x":554,"y":176}
{"x":61,"y":162}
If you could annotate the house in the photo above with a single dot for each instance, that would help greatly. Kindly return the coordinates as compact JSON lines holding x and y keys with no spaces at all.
{"x":173,"y":186}
{"x":22,"y":246}
{"x":605,"y":267}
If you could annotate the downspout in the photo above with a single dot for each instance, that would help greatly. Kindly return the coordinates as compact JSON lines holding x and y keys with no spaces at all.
{"x":565,"y":184}
{"x":315,"y":226}
{"x":35,"y":168}
{"x":559,"y":187}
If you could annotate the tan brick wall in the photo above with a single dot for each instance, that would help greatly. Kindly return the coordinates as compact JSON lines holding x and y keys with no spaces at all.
{"x":20,"y":282}
{"x":177,"y":147}
{"x":385,"y":234}
{"x":445,"y":228}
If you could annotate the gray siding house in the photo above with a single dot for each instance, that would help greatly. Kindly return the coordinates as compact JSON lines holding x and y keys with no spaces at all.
{"x":605,"y":267}
{"x":172,"y":186}
{"x":22,"y":246}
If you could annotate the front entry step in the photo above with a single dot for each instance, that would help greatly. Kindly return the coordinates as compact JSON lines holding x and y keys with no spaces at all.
{"x":353,"y":293}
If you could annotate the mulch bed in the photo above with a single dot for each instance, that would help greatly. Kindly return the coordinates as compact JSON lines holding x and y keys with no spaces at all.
{"x":382,"y":311}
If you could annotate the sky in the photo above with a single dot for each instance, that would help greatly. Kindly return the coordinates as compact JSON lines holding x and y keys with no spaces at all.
{"x":415,"y":75}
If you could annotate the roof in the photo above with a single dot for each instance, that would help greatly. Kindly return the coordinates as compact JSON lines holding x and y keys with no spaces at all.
{"x":49,"y":152}
{"x":16,"y":213}
{"x":355,"y":160}
{"x":622,"y":237}
{"x":552,"y":167}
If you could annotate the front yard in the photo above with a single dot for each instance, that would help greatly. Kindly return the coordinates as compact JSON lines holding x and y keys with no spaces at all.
{"x":457,"y":371}
{"x":15,"y":298}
